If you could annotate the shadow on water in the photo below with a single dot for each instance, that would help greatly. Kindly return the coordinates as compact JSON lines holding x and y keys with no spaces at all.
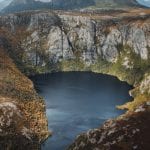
{"x":78,"y":101}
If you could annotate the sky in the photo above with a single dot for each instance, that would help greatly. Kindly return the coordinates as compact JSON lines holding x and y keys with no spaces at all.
{"x":145,"y":2}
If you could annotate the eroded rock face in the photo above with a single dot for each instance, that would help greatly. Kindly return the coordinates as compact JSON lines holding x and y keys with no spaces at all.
{"x":145,"y":85}
{"x":9,"y":111}
{"x":137,"y":39}
{"x":58,"y":45}
{"x":51,"y":39}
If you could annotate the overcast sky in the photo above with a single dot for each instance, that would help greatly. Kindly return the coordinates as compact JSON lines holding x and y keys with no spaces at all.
{"x":146,"y":2}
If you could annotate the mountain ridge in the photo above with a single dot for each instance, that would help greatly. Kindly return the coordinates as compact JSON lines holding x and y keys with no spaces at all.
{"x":22,"y":5}
{"x":4,"y":4}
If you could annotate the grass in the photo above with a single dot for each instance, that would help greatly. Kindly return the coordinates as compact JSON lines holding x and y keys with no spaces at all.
{"x":72,"y":65}
{"x":138,"y":100}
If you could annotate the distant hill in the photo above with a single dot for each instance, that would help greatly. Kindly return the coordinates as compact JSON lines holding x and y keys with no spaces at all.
{"x":21,"y":5}
{"x":116,"y":3}
{"x":4,"y":3}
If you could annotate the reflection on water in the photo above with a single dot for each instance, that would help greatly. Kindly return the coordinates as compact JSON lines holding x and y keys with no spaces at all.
{"x":77,"y":102}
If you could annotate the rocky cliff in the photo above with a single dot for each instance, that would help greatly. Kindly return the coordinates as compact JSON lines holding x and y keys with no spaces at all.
{"x":87,"y":41}
{"x":116,"y":44}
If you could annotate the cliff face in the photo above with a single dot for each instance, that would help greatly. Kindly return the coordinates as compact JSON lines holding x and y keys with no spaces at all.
{"x":116,"y":44}
{"x":102,"y":38}
{"x":44,"y":40}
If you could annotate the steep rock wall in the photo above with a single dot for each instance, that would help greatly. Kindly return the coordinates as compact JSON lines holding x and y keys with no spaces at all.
{"x":50,"y":38}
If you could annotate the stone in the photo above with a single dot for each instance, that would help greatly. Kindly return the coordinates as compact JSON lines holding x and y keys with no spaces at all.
{"x":140,"y":109}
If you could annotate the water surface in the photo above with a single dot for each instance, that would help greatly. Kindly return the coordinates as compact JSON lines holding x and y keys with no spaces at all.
{"x":78,"y":101}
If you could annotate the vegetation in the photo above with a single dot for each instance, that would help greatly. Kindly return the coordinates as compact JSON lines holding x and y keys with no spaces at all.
{"x":18,"y":89}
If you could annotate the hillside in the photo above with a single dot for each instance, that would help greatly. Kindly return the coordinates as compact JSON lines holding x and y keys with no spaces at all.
{"x":115,"y":4}
{"x":21,"y":5}
{"x":22,"y":111}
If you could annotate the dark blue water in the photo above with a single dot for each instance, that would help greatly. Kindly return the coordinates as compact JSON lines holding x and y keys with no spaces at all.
{"x":78,"y":101}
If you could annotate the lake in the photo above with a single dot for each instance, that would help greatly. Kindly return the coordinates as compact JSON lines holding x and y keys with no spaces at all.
{"x":77,"y":102}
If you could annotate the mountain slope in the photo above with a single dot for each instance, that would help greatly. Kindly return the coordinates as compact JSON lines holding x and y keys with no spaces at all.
{"x":21,"y":109}
{"x":20,"y":5}
{"x":4,"y":4}
{"x":116,"y":3}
